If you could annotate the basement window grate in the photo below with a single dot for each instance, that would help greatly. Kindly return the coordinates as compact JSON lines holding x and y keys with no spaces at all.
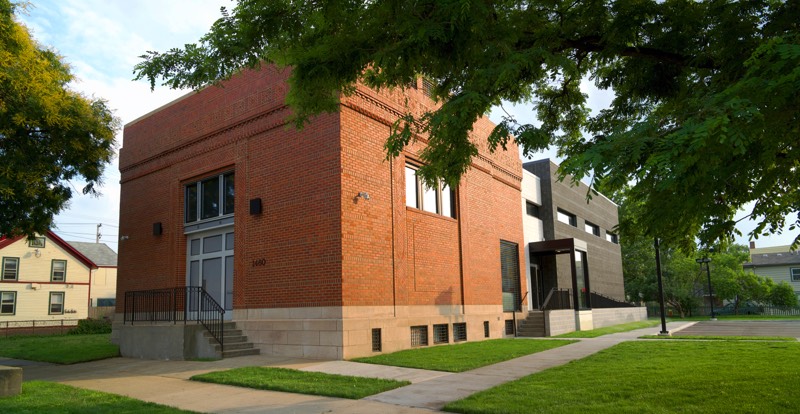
{"x":419,"y":336}
{"x":441,"y":334}
{"x":509,"y":327}
{"x":460,"y":332}
{"x":376,"y":339}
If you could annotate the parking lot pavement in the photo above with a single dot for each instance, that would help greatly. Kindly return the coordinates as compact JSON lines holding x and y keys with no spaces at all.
{"x":790,"y":328}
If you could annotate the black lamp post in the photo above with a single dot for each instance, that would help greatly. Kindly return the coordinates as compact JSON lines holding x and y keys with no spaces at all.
{"x":707,"y":261}
{"x":664,"y":330}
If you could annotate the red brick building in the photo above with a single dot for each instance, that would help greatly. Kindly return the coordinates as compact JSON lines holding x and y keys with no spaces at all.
{"x":314,"y":243}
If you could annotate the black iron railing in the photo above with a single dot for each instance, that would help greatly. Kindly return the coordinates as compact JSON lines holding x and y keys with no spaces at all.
{"x":187,"y":304}
{"x":602,"y":301}
{"x":558,"y":299}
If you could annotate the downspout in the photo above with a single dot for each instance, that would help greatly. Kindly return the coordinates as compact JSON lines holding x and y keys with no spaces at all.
{"x":461,"y":251}
{"x":394,"y":252}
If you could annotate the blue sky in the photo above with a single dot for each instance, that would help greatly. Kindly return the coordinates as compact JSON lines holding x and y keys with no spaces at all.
{"x":102,"y":39}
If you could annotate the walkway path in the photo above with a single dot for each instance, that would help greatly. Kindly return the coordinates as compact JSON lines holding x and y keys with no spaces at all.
{"x":166,"y":382}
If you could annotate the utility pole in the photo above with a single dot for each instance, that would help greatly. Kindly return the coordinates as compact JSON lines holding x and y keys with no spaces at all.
{"x":97,"y":238}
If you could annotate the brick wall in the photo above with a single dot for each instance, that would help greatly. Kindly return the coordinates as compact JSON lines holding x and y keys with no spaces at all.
{"x":321,"y":245}
{"x":296,"y":174}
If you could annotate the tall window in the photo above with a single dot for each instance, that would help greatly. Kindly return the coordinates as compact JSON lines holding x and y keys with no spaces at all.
{"x":10,"y":268}
{"x":581,"y":277}
{"x":509,"y":270}
{"x":795,"y":274}
{"x":567,"y":218}
{"x":592,"y":228}
{"x":531,"y":209}
{"x":209,"y":198}
{"x":56,"y":303}
{"x":8,"y":303}
{"x":438,"y":199}
{"x":58,"y":272}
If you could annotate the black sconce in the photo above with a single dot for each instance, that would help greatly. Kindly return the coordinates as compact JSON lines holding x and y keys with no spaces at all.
{"x":255,"y":206}
{"x":157,"y":229}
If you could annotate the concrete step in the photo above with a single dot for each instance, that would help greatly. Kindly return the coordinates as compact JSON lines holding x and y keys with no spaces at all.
{"x":235,"y":346}
{"x":240,"y":352}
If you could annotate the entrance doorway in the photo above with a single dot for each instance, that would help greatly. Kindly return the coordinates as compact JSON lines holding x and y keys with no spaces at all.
{"x":209,"y":259}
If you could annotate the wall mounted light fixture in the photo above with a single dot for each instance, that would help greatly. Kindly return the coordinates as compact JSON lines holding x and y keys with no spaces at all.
{"x":37,"y":253}
{"x":364,"y":195}
{"x":255,"y":206}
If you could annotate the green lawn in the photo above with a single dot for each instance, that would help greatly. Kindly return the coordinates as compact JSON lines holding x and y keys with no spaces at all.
{"x":466,"y":356}
{"x":301,"y":382}
{"x":656,"y":376}
{"x":625,"y":327}
{"x":39,"y":397}
{"x":59,"y":349}
{"x":723,"y":338}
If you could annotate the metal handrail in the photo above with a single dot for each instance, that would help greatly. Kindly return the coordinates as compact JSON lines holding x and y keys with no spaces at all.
{"x":602,"y":301}
{"x":514,"y":313}
{"x":188,"y":303}
{"x":559,"y":301}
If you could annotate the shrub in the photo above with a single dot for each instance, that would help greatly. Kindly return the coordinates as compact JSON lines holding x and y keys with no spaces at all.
{"x":91,"y":326}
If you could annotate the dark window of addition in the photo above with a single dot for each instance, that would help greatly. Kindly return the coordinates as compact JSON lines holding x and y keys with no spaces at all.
{"x":532,"y":209}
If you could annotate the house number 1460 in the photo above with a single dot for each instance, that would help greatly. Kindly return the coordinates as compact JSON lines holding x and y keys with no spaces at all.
{"x":259,"y":262}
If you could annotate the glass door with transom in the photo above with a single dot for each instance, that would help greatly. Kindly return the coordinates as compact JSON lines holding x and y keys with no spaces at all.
{"x":210,"y":265}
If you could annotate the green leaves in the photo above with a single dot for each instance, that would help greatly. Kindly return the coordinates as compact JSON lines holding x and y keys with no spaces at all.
{"x":704,"y":120}
{"x":49,"y":135}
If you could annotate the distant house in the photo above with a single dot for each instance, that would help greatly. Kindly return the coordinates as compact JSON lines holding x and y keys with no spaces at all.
{"x":103,"y":290}
{"x":778,"y":263}
{"x":47,"y":278}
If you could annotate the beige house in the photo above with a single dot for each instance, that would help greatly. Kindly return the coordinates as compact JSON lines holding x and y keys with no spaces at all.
{"x":779,"y":263}
{"x":47,"y":278}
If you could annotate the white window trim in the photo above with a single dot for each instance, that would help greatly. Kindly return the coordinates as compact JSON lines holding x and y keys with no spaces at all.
{"x":199,"y":201}
{"x":50,"y":303}
{"x":13,"y":302}
{"x":3,"y":270}
{"x":794,"y":271}
{"x":421,"y":190}
{"x":53,"y":271}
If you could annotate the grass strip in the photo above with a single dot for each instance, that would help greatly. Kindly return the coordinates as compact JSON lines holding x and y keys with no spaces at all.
{"x":59,"y":349}
{"x":656,"y":377}
{"x":594,"y":333}
{"x":466,"y":356}
{"x":47,"y":397}
{"x":722,"y":338}
{"x":301,"y":382}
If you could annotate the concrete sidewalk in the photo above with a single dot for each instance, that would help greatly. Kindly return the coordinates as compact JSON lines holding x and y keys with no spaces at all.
{"x":166,"y":382}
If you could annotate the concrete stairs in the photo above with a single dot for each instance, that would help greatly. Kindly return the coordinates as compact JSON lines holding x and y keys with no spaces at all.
{"x":532,"y":326}
{"x":235,"y":341}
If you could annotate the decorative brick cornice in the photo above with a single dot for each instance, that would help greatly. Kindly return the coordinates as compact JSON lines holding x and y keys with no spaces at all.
{"x":241,"y":130}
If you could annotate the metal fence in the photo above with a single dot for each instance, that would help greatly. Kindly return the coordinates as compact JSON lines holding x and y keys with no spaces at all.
{"x":37,"y":327}
{"x":653,"y":310}
{"x":189,"y":303}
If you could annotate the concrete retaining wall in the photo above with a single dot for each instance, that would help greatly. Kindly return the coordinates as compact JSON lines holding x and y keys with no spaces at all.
{"x":559,"y":322}
{"x":616,"y":316}
{"x":167,"y":341}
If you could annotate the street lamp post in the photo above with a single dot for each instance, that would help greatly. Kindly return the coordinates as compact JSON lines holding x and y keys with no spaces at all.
{"x":664,"y":331}
{"x":707,"y":261}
